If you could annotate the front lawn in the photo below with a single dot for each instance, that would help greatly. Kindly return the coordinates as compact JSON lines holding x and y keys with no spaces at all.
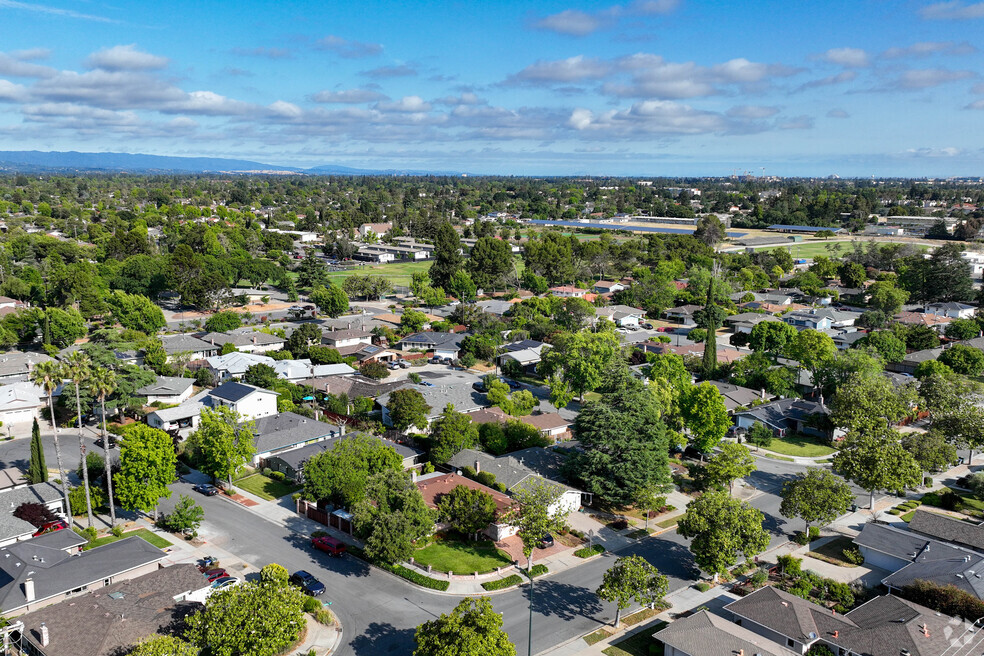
{"x":459,"y":557}
{"x":800,"y":445}
{"x":638,"y":644}
{"x":833,"y":551}
{"x":149,"y":536}
{"x":266,"y":487}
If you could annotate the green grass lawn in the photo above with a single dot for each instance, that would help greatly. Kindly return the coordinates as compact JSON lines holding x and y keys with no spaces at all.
{"x":800,"y":445}
{"x":462,"y":557}
{"x":266,"y":487}
{"x":833,"y":552}
{"x":398,"y":273}
{"x":804,"y":250}
{"x":143,"y":533}
{"x":639,"y":644}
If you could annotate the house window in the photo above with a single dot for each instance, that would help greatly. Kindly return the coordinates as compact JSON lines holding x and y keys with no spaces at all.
{"x":789,"y":642}
{"x":738,"y":621}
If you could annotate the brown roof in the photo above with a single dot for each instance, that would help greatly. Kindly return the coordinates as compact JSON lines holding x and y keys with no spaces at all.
{"x":433,"y":487}
{"x":921,"y":319}
{"x":546,"y":421}
{"x":724,"y":354}
{"x":489,"y":415}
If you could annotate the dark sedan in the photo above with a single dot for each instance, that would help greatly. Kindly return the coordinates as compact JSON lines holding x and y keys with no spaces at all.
{"x":307,"y":582}
{"x":206,"y":489}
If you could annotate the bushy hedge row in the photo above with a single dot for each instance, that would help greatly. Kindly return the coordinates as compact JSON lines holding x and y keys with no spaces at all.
{"x":587,"y":552}
{"x":402,"y":572}
{"x":508,"y":582}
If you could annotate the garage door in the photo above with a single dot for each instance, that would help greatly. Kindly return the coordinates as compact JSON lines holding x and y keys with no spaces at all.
{"x":17,"y":416}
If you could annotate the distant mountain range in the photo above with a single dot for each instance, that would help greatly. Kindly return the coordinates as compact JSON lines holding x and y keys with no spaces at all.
{"x":33,"y":161}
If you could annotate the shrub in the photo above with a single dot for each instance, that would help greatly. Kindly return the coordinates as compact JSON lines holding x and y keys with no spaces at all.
{"x":501,"y":584}
{"x":266,"y":471}
{"x":947,"y":599}
{"x":853,"y":555}
{"x":620,"y":524}
{"x":927,"y":481}
{"x":703,"y":586}
{"x":278,"y":475}
{"x":759,"y":578}
{"x":311,"y":605}
{"x":89,"y":533}
{"x":539,"y":570}
{"x":413,"y":577}
{"x":790,"y":565}
{"x":893,"y":511}
{"x":117,"y":531}
{"x":801,"y":538}
{"x":587,"y":552}
{"x":814,"y":532}
{"x":325,"y":617}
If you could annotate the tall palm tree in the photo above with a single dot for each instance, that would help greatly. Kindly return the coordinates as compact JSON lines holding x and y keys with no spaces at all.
{"x":78,"y":366}
{"x":102,"y":383}
{"x":47,"y":376}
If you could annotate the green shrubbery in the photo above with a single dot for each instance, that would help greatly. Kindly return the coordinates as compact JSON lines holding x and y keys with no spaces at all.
{"x":500,"y":584}
{"x":587,"y":552}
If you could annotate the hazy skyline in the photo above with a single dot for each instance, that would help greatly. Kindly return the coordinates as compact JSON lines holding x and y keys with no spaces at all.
{"x":648,"y":87}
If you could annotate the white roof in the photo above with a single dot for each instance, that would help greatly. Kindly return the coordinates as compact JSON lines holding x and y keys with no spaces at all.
{"x":17,"y":396}
{"x":237,"y":363}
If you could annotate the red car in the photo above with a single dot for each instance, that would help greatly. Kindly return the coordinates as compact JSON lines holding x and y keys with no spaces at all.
{"x":329,"y":545}
{"x":215,"y":574}
{"x":50,"y":527}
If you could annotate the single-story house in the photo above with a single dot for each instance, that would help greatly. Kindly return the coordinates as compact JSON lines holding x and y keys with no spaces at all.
{"x":952,"y":309}
{"x":846,"y":339}
{"x":736,"y":396}
{"x":15,"y":365}
{"x":792,"y":415}
{"x":49,"y":568}
{"x":810,"y":319}
{"x":683,"y":314}
{"x":167,"y":389}
{"x":113,"y":619}
{"x":455,"y":389}
{"x":725,"y":354}
{"x":194,"y":348}
{"x":235,"y":364}
{"x":445,"y":345}
{"x":707,"y":634}
{"x":568,"y":291}
{"x":949,"y":529}
{"x":518,"y":469}
{"x":622,"y":315}
{"x":378,"y":229}
{"x":496,"y":307}
{"x":433,"y":486}
{"x":526,"y":353}
{"x":347,"y":337}
{"x":13,"y":529}
{"x":21,"y":403}
{"x":295,"y":370}
{"x":607,"y":287}
{"x":745,"y":321}
{"x":934,"y":321}
{"x":550,"y":424}
{"x":288,"y":430}
{"x":254,"y":342}
{"x":352,"y":386}
{"x":291,"y":462}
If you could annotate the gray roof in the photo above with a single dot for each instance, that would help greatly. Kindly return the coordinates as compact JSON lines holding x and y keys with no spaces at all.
{"x":296,"y":457}
{"x":174,"y":344}
{"x":901,"y":544}
{"x":15,"y":362}
{"x":55,"y":572}
{"x":433,"y":340}
{"x":736,"y":396}
{"x":705,"y":634}
{"x":111,"y":619}
{"x":12,"y":527}
{"x":255,"y":338}
{"x":166,"y":386}
{"x":518,"y":468}
{"x":781,"y":413}
{"x":947,"y":528}
{"x":233,"y":391}
{"x":286,"y":429}
{"x":455,"y":389}
{"x":495,"y":307}
{"x":352,"y":386}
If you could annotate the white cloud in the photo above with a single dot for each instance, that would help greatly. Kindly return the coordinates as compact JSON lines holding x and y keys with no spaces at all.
{"x":650,"y":117}
{"x":284,"y":109}
{"x":405,"y":104}
{"x":125,"y":58}
{"x":934,"y":153}
{"x":752,"y":111}
{"x":840,"y":78}
{"x":14,"y":66}
{"x":52,"y":11}
{"x":955,"y":10}
{"x":348,"y":96}
{"x":926,"y":48}
{"x":466,"y":98}
{"x":571,"y":22}
{"x":977,"y":88}
{"x":977,"y":104}
{"x":572,"y":69}
{"x":400,"y":70}
{"x":10,"y":92}
{"x":31,"y":54}
{"x":837,"y":112}
{"x":348,"y":49}
{"x":928,"y":78}
{"x":847,"y":57}
{"x":796,"y":123}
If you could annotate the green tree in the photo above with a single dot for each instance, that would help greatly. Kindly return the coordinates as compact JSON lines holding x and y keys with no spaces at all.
{"x":448,"y":258}
{"x":888,"y":346}
{"x":930,"y":368}
{"x":223,"y":442}
{"x":536,"y":514}
{"x":865,"y":404}
{"x":473,"y":628}
{"x":624,"y":446}
{"x":274,"y":573}
{"x":772,"y":337}
{"x":48,"y":376}
{"x":710,"y":230}
{"x":722,"y":528}
{"x":261,"y":375}
{"x":37,"y":470}
{"x":407,"y":408}
{"x":155,"y":357}
{"x":732,"y":462}
{"x":561,"y":393}
{"x":135,"y":312}
{"x":583,"y":357}
{"x":102,"y":382}
{"x":852,"y":275}
{"x":250,"y":619}
{"x":450,"y":433}
{"x":961,"y":329}
{"x":341,"y":473}
{"x":710,"y":318}
{"x":147,"y":463}
{"x":877,"y":462}
{"x":816,"y":496}
{"x":186,"y":517}
{"x":331,"y":300}
{"x":574,"y":313}
{"x":963,"y":359}
{"x":467,"y":510}
{"x":392,"y":517}
{"x":517,"y":404}
{"x":462,"y":287}
{"x":812,"y":349}
{"x":489,"y":261}
{"x":931,"y":450}
{"x":64,"y":327}
{"x":705,"y":416}
{"x":165,"y":646}
{"x":78,"y":368}
{"x":412,"y":321}
{"x":632,"y":577}
{"x":224,"y":321}
{"x":760,"y":435}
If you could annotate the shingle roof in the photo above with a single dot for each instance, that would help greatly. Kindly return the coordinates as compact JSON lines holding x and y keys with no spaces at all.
{"x":286,"y":429}
{"x":353,"y":386}
{"x":735,"y":395}
{"x":947,"y":528}
{"x":438,"y":340}
{"x":296,"y":457}
{"x":518,"y":468}
{"x":15,"y":362}
{"x":111,"y":619}
{"x":166,"y":385}
{"x":454,"y":389}
{"x":233,"y":391}
{"x":705,"y":634}
{"x":20,"y":395}
{"x":181,"y":343}
{"x":433,"y":486}
{"x":780,"y":413}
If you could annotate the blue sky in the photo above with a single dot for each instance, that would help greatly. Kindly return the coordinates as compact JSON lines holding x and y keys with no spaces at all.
{"x":645,"y":87}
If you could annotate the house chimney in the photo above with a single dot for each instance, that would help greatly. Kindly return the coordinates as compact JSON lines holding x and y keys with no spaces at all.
{"x":254,"y":339}
{"x":836,"y":634}
{"x":29,"y":589}
{"x":762,"y":393}
{"x":44,"y":635}
{"x":413,"y":476}
{"x":478,"y":467}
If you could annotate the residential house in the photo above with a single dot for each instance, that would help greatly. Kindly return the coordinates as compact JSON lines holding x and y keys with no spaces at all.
{"x":934,"y":321}
{"x":455,"y":389}
{"x":179,"y":346}
{"x":746,"y":321}
{"x":772,"y":298}
{"x":295,"y":370}
{"x":568,"y":291}
{"x":291,"y":462}
{"x":49,"y":568}
{"x":433,"y":486}
{"x":622,"y":315}
{"x":683,"y":314}
{"x":950,"y":529}
{"x":378,"y":229}
{"x":444,"y":345}
{"x":736,"y":396}
{"x":496,"y":307}
{"x":249,"y":401}
{"x":235,"y":364}
{"x":349,"y":337}
{"x":13,"y":529}
{"x":808,"y":319}
{"x":21,"y":403}
{"x":846,"y":339}
{"x":607,"y":287}
{"x":353,"y":386}
{"x":167,"y":389}
{"x":912,"y":360}
{"x":725,"y":354}
{"x":16,"y":366}
{"x":707,"y":634}
{"x":129,"y":356}
{"x":550,"y":424}
{"x":952,"y":309}
{"x":113,"y":619}
{"x":526,"y":353}
{"x":519,"y":469}
{"x":253,"y":342}
{"x":792,"y":415}
{"x":285,"y":431}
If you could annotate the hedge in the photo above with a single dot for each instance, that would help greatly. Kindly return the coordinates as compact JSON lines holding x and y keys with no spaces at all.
{"x":508,"y":582}
{"x":402,"y":572}
{"x":539,"y":570}
{"x":587,"y":552}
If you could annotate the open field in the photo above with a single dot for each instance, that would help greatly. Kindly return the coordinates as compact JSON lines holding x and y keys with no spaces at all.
{"x":398,"y":273}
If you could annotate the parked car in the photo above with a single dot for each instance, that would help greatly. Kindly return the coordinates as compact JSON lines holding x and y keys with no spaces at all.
{"x":307,"y":582}
{"x":224,"y":582}
{"x":435,"y":360}
{"x":647,"y":326}
{"x":329,"y":545}
{"x":546,"y":541}
{"x":214,"y":575}
{"x":50,"y":527}
{"x":403,"y":364}
{"x":112,"y":442}
{"x":393,"y":365}
{"x":207,"y":563}
{"x":512,"y":384}
{"x":426,"y":384}
{"x":207,"y":489}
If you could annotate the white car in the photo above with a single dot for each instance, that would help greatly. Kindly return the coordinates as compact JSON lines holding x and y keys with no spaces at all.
{"x":223,"y":583}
